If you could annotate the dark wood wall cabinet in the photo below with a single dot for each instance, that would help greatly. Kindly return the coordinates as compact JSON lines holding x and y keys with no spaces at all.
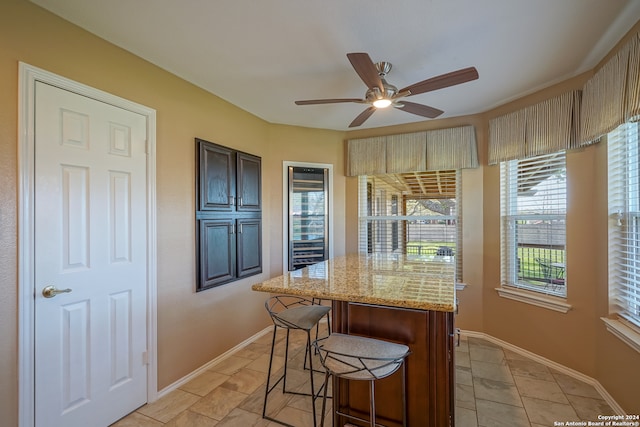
{"x":228,"y":215}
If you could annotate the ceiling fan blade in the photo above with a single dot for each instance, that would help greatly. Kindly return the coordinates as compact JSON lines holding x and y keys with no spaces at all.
{"x":328,"y":101}
{"x":365,"y":68}
{"x":362,"y":117}
{"x":445,"y":80}
{"x":419,"y":109}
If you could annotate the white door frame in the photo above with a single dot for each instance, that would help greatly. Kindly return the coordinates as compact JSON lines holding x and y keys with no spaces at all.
{"x":28,"y":75}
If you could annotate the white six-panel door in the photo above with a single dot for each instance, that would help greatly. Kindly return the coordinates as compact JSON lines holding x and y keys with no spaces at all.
{"x":90,"y":220}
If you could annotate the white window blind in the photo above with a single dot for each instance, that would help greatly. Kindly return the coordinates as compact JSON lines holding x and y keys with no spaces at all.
{"x":414,"y":213}
{"x":624,"y":224}
{"x":533,"y":223}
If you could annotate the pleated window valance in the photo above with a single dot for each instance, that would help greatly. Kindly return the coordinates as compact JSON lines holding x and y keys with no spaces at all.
{"x":543,"y":128}
{"x":367,"y":156}
{"x":451,"y":148}
{"x":612,"y":96}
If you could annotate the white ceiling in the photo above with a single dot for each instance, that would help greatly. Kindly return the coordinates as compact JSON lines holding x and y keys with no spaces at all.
{"x":262,"y":55}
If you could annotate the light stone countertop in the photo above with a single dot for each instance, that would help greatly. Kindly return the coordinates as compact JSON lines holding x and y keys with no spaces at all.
{"x":407,"y":281}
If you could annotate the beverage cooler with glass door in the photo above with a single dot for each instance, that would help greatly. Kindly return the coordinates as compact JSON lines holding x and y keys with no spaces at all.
{"x":308,"y":216}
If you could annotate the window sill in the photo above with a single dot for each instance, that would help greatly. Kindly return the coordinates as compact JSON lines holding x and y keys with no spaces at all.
{"x":627,"y":334}
{"x":460,"y":286}
{"x":544,"y":301}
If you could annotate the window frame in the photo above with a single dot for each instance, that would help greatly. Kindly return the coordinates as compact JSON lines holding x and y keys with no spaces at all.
{"x":512,"y":286}
{"x":369,"y":203}
{"x":623,"y":204}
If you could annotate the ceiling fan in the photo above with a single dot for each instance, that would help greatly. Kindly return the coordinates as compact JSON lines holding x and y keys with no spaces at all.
{"x":381,"y":94}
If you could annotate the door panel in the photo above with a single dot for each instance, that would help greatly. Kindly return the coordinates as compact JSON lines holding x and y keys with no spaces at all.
{"x":217,"y":178}
{"x":91,"y":233}
{"x":120,"y":305}
{"x":120,"y":216}
{"x":249,"y":244}
{"x":75,"y":354}
{"x":218,"y":245}
{"x":75,"y":216}
{"x":249,"y":178}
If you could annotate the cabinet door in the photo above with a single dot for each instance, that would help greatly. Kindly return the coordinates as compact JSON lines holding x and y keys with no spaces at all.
{"x":249,"y":184}
{"x":249,"y":237}
{"x":217,"y":252}
{"x":216,"y":175}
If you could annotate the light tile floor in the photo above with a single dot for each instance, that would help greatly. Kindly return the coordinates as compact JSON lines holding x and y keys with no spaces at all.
{"x":494,"y":387}
{"x":498,"y":387}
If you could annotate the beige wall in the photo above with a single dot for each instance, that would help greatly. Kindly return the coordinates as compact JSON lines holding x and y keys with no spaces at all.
{"x":193,"y":328}
{"x":188,"y":332}
{"x":297,"y":144}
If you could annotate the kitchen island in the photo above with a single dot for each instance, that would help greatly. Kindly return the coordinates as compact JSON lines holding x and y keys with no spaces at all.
{"x":409,"y":299}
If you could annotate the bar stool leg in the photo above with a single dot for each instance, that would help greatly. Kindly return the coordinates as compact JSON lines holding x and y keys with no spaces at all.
{"x":372,"y":403}
{"x":266,"y":391}
{"x":307,"y":353}
{"x":286,"y":357}
{"x":404,"y":394}
{"x":324,"y":398}
{"x":313,"y":390}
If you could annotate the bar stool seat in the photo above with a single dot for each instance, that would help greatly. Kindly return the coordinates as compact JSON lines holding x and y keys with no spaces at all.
{"x":359,"y":358}
{"x":302,"y":317}
{"x":290,"y":313}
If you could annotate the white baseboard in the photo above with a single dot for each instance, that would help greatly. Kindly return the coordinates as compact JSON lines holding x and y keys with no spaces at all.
{"x":553,"y":365}
{"x":168,"y":389}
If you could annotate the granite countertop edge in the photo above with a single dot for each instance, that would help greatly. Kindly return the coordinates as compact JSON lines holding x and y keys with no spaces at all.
{"x":357,"y":298}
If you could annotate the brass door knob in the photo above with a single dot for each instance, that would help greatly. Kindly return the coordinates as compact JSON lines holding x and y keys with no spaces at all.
{"x":51,"y":291}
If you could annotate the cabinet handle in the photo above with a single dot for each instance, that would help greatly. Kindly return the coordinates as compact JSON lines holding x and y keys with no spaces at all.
{"x":231,"y":200}
{"x":232,"y":230}
{"x":239,"y":228}
{"x":240,"y":201}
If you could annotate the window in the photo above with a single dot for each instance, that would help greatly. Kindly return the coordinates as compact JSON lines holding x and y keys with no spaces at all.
{"x":624,"y":225}
{"x":533,"y":223}
{"x":413,"y":213}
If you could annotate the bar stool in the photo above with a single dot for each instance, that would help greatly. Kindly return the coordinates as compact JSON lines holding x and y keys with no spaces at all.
{"x":291,"y":312}
{"x":358,"y":358}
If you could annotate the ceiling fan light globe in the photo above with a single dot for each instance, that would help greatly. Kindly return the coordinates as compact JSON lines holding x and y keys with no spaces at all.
{"x":381,"y":103}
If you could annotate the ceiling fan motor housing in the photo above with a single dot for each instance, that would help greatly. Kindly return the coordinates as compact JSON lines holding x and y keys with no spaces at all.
{"x":374,"y":93}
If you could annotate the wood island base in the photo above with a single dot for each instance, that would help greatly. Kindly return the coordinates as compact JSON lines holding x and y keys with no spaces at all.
{"x":430,"y":366}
